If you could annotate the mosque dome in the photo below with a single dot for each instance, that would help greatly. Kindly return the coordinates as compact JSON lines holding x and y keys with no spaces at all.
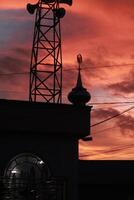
{"x":79,"y":95}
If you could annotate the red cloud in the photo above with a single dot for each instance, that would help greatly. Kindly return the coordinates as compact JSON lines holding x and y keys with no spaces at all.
{"x":126,"y":86}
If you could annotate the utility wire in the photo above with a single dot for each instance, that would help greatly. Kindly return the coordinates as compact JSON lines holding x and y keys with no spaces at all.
{"x":14,"y":73}
{"x":101,"y":66}
{"x":113,"y":106}
{"x":11,"y":91}
{"x":117,"y":102}
{"x":117,"y":115}
{"x":93,"y":103}
{"x":107,"y":106}
{"x":73,"y":68}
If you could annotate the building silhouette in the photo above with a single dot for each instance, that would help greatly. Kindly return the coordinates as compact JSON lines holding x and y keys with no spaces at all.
{"x":106,"y":179}
{"x":39,"y":153}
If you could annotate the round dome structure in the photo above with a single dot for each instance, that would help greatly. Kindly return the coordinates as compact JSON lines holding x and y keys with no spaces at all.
{"x":26,"y":169}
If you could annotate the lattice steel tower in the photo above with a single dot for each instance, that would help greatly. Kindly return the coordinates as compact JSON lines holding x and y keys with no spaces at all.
{"x":46,"y":57}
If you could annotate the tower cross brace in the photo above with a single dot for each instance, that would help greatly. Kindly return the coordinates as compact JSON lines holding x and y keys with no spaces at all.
{"x":46,"y":57}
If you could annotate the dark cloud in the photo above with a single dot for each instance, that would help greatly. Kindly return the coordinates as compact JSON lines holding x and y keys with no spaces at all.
{"x":117,"y":6}
{"x":16,"y":26}
{"x":124,"y":122}
{"x":116,"y":3}
{"x":80,"y":27}
{"x":13,"y":64}
{"x":13,"y":14}
{"x":69,"y":79}
{"x":12,"y":84}
{"x":126,"y":86}
{"x":123,"y":87}
{"x":88,"y":72}
{"x":92,"y":69}
{"x":104,"y":113}
{"x":22,"y":52}
{"x":16,"y":32}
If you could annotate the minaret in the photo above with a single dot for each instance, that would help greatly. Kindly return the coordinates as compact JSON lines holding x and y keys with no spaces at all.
{"x":79,"y":95}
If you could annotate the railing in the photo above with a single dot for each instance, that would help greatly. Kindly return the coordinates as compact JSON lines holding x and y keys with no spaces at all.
{"x":25,"y":189}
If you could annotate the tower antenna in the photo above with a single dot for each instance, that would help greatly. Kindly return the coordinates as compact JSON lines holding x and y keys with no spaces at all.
{"x":46,"y":56}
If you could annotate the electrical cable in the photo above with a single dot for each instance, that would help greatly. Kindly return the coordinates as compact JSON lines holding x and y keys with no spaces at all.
{"x":101,"y":66}
{"x":117,"y":102}
{"x":91,"y":67}
{"x":117,"y":115}
{"x":14,"y":73}
{"x":95,"y":107}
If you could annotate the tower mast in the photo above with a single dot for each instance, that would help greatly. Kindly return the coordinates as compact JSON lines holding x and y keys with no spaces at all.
{"x":46,"y":57}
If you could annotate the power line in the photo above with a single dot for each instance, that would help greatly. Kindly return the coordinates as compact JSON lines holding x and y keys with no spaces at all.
{"x":9,"y":91}
{"x":97,"y":107}
{"x":113,"y":127}
{"x":117,"y":115}
{"x":73,"y":68}
{"x":14,"y":73}
{"x":102,"y":66}
{"x":117,"y":102}
{"x":93,"y":103}
{"x":113,"y":106}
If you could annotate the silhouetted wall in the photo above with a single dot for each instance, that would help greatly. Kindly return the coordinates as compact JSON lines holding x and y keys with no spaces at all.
{"x":50,"y":131}
{"x":106,"y":179}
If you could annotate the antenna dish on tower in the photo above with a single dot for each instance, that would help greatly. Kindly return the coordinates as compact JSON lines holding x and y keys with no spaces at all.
{"x":60,"y":13}
{"x":32,"y":7}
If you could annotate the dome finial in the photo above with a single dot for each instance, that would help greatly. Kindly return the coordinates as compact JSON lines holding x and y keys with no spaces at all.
{"x":79,"y":95}
{"x":79,"y":60}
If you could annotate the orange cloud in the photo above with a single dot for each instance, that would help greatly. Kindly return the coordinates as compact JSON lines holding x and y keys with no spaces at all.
{"x":14,"y":4}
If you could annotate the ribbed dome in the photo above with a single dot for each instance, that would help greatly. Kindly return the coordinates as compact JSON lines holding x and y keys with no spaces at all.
{"x":79,"y":95}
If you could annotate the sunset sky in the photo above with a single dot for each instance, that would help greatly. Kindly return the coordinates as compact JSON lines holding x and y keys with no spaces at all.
{"x":103,"y":32}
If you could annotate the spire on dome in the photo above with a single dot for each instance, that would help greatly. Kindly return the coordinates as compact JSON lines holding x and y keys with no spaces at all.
{"x":79,"y":95}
